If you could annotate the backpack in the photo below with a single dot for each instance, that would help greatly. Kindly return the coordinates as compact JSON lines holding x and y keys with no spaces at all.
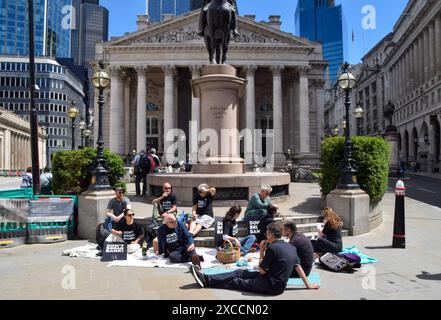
{"x":27,"y":181}
{"x":337,"y":264}
{"x":143,"y":164}
{"x":152,"y":163}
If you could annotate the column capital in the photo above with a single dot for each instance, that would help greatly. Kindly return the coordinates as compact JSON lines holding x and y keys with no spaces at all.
{"x":303,"y":70}
{"x":115,"y":71}
{"x":277,"y":69}
{"x":195,"y":70}
{"x":169,"y":70}
{"x":250,"y":69}
{"x":141,"y":70}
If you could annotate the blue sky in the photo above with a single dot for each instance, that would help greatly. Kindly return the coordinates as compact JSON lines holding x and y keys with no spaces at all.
{"x":123,"y":18}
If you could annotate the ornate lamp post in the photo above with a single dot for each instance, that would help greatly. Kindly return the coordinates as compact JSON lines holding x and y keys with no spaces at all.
{"x":358,"y":115}
{"x":82,"y":125}
{"x":100,"y":180}
{"x":73,"y":113}
{"x":348,"y":178}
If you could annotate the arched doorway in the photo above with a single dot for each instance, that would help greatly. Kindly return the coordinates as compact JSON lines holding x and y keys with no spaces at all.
{"x":424,"y":148}
{"x":415,"y":144}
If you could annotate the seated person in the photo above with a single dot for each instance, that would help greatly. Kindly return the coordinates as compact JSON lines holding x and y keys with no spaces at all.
{"x":231,"y":230}
{"x":277,"y":261}
{"x":330,"y":238}
{"x":164,"y":205}
{"x":115,"y":208}
{"x":176,"y":243}
{"x":202,"y":211}
{"x":259,"y":202}
{"x":303,"y":245}
{"x":263,"y":224}
{"x":129,"y":231}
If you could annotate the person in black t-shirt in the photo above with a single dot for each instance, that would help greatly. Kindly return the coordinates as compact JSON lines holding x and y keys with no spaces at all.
{"x":231,"y":230}
{"x":330,"y":238}
{"x":303,"y":245}
{"x":176,"y":243}
{"x":164,"y":204}
{"x":277,"y":260}
{"x":202,"y":211}
{"x":129,"y":231}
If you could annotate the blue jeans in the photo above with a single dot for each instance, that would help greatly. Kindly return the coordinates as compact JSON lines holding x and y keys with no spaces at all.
{"x":108,"y":224}
{"x":246,"y":243}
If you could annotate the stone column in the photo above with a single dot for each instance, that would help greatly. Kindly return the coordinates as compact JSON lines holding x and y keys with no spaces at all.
{"x":127,"y":82}
{"x":8,"y":149}
{"x":195,"y":117}
{"x":141,"y":117}
{"x":12,"y":156}
{"x":412,"y":67}
{"x":304,"y":110}
{"x":432,"y":59}
{"x":421,"y":60}
{"x":438,"y":42}
{"x":279,"y":157}
{"x":426,"y":63}
{"x":116,"y":123}
{"x":250,"y":111}
{"x":169,"y":103}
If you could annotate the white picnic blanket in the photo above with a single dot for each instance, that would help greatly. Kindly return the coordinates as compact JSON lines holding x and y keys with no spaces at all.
{"x":87,"y":251}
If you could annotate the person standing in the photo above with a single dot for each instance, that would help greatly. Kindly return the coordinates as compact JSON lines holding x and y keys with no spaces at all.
{"x":142,"y":169}
{"x":26,"y":179}
{"x":277,"y":261}
{"x":202,"y":210}
{"x":46,"y":182}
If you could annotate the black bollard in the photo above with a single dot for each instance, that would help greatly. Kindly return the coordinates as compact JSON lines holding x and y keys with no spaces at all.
{"x":399,"y":237}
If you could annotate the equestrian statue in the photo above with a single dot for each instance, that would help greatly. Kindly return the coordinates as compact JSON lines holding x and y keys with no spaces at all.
{"x":217,"y":21}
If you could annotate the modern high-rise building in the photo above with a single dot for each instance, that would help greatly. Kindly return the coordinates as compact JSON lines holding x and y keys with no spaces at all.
{"x":52,"y":28}
{"x":92,"y":26}
{"x":322,"y":20}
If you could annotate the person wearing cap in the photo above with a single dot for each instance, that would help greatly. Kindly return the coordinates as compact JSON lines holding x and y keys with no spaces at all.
{"x":116,"y":207}
{"x":202,"y":211}
{"x":129,"y":231}
{"x":258,"y":205}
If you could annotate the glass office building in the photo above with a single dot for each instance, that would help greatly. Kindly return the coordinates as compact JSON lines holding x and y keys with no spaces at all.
{"x":158,"y":8}
{"x":52,"y":33}
{"x":322,"y":20}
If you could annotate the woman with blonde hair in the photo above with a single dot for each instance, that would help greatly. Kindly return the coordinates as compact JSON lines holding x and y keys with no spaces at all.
{"x":330,"y":239}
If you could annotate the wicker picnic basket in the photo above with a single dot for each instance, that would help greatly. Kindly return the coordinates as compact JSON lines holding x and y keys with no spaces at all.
{"x":228,"y":254}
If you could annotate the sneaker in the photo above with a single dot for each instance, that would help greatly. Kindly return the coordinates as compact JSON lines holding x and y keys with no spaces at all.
{"x":198,"y":276}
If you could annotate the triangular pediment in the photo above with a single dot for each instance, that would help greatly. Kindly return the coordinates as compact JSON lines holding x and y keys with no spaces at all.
{"x":183,"y":30}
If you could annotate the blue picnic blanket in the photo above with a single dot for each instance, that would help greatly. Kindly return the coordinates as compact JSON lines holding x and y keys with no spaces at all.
{"x":313,"y":278}
{"x":364,"y":258}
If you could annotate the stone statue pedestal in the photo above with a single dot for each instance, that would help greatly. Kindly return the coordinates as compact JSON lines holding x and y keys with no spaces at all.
{"x":392,"y":137}
{"x":92,"y":211}
{"x":353,"y":208}
{"x":220,"y":90}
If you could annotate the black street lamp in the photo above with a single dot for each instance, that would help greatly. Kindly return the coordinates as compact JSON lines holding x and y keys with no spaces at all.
{"x":33,"y":109}
{"x":348,"y":178}
{"x":82,"y":125}
{"x":358,"y":115}
{"x":73,"y":113}
{"x":87,"y":134}
{"x":100,"y":178}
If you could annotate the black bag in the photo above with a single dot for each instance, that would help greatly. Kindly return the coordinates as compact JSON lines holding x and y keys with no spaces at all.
{"x":143,"y":164}
{"x":335,"y":263}
{"x":101,"y":235}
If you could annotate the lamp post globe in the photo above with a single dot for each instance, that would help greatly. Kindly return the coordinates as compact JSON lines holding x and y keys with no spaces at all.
{"x":358,"y":115}
{"x":73,"y":113}
{"x":100,"y":171}
{"x":82,"y":125}
{"x":348,"y":176}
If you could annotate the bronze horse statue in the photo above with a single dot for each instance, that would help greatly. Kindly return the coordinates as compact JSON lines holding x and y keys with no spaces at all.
{"x":217,"y":31}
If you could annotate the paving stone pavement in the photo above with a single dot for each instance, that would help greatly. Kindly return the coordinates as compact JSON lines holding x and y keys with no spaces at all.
{"x":36,"y":271}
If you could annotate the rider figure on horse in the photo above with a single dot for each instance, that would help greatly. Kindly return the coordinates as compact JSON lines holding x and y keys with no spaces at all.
{"x":203,"y":17}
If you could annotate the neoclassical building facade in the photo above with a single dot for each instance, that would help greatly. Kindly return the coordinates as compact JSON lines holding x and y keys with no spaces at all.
{"x":151,"y":72}
{"x":15,"y":143}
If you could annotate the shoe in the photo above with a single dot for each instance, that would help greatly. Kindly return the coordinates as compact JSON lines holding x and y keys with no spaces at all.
{"x":196,"y":261}
{"x":198,"y":276}
{"x":236,"y":34}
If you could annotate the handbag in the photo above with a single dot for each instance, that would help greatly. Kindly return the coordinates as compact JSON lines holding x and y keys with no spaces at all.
{"x":334,"y":263}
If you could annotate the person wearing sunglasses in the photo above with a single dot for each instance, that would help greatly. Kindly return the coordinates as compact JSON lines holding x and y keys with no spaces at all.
{"x":176,"y":243}
{"x":129,"y":231}
{"x":115,"y":208}
{"x":202,"y":210}
{"x":164,"y":204}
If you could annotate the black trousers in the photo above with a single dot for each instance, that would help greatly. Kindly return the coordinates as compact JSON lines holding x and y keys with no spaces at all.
{"x":242,"y":280}
{"x":181,"y":255}
{"x":141,"y":177}
{"x":321,"y":245}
